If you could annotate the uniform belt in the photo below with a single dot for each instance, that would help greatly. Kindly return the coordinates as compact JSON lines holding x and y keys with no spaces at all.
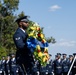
{"x":50,"y":66}
{"x":35,"y":66}
{"x":7,"y":65}
{"x":65,"y":66}
{"x":13,"y":65}
{"x":59,"y":67}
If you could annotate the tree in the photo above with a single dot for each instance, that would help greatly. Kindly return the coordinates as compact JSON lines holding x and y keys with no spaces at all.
{"x":2,"y":52}
{"x":7,"y":23}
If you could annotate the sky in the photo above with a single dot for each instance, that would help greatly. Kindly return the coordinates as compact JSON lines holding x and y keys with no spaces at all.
{"x":58,"y":17}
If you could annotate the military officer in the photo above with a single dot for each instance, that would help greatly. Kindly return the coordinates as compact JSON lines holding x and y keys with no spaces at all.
{"x":42,"y":70}
{"x":7,"y":65}
{"x":13,"y":67}
{"x":70,"y":60}
{"x":23,"y":54}
{"x":0,"y":68}
{"x":35,"y":68}
{"x":65,"y":64}
{"x":3,"y":65}
{"x":58,"y":65}
{"x":74,"y":65}
{"x":49,"y":66}
{"x":56,"y":58}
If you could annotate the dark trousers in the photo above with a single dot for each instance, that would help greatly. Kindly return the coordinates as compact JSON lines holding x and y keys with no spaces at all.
{"x":25,"y":68}
{"x":42,"y":73}
{"x":59,"y":74}
{"x":50,"y":74}
{"x":65,"y":73}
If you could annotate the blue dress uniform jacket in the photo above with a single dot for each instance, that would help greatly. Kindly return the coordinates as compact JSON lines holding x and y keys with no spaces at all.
{"x":65,"y":66}
{"x":20,"y":42}
{"x":13,"y":66}
{"x":19,"y":39}
{"x":42,"y":70}
{"x":74,"y":68}
{"x":58,"y":67}
{"x":23,"y":54}
{"x":7,"y":67}
{"x":70,"y":63}
{"x":50,"y":67}
{"x":3,"y":66}
{"x":35,"y":69}
{"x":0,"y":67}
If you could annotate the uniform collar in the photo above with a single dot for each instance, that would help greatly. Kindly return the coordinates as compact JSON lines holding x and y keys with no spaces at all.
{"x":22,"y":30}
{"x":59,"y":60}
{"x":3,"y":60}
{"x":65,"y":59}
{"x":13,"y":59}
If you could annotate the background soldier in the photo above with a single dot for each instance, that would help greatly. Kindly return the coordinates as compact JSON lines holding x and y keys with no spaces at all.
{"x":65,"y":64}
{"x":13,"y":65}
{"x":7,"y":65}
{"x":0,"y":68}
{"x":3,"y":65}
{"x":74,"y":66}
{"x":56,"y":58}
{"x":70,"y":62}
{"x":42,"y":70}
{"x":58,"y":65}
{"x":35,"y":68}
{"x":50,"y":66}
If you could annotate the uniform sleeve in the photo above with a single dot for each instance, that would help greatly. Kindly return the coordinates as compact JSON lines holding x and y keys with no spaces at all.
{"x":18,"y":41}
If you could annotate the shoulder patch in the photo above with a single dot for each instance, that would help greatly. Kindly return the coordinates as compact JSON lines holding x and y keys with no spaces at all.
{"x":17,"y":38}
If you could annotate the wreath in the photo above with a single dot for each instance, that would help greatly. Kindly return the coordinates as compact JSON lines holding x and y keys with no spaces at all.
{"x":37,"y":43}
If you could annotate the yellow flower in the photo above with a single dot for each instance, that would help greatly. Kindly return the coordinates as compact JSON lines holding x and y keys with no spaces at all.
{"x":38,"y":47}
{"x":34,"y":36}
{"x":33,"y":28}
{"x":31,"y":34}
{"x":47,"y":56}
{"x":40,"y":54}
{"x":44,"y":59}
{"x":46,"y":49}
{"x":42,"y":36}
